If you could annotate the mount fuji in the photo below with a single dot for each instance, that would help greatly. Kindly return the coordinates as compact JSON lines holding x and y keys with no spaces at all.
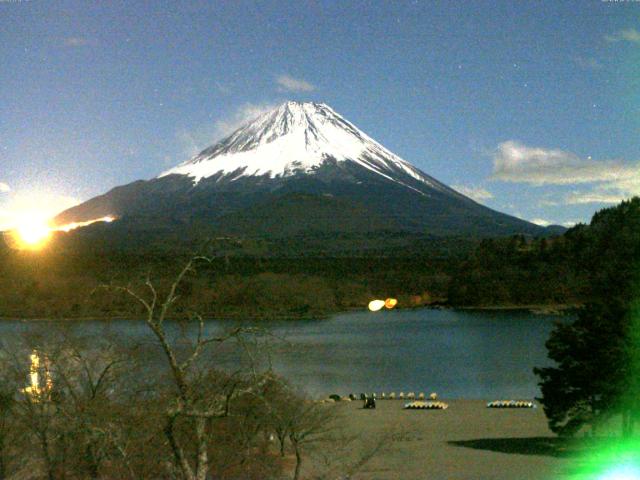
{"x":300,"y":169}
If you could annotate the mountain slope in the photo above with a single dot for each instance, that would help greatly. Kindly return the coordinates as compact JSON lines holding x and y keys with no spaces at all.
{"x":300,"y":168}
{"x":296,"y":138}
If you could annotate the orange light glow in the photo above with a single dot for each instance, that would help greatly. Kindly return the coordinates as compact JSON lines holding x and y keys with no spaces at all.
{"x":72,"y":226}
{"x":33,"y":232}
{"x":390,"y":303}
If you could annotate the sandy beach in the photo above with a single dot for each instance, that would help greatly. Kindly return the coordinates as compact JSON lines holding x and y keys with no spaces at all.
{"x":466,"y":441}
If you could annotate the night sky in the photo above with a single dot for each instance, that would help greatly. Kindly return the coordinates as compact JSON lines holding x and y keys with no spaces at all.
{"x":532,"y":108}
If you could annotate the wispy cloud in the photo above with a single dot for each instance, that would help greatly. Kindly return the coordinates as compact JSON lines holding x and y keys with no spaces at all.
{"x":540,"y":221}
{"x":626,"y":35}
{"x":608,"y":181}
{"x":222,"y":88}
{"x":195,"y":140}
{"x":475,"y":193}
{"x":514,"y":162}
{"x":599,"y":195}
{"x":4,"y":188}
{"x":191,"y":142}
{"x":570,"y":223}
{"x":290,"y":84}
{"x":246,"y":113}
{"x":76,"y":42}
{"x":587,"y":63}
{"x":545,"y":223}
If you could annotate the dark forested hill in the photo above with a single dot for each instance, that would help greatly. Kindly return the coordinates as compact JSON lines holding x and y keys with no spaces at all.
{"x":299,"y":275}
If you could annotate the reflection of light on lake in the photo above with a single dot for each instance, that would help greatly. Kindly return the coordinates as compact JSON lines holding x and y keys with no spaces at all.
{"x":35,"y":390}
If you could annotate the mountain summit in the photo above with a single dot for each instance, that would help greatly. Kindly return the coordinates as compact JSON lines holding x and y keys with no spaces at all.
{"x":297,"y":138}
{"x":300,"y":169}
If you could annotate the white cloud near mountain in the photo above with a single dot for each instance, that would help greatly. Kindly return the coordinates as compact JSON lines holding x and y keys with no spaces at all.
{"x":195,"y":140}
{"x":514,"y":162}
{"x":545,"y":223}
{"x":608,"y":181}
{"x":626,"y":35}
{"x":570,"y":223}
{"x":76,"y":42}
{"x":246,"y":113}
{"x":587,"y":63}
{"x":596,"y":196}
{"x":290,"y":84}
{"x":540,"y":221}
{"x":475,"y":193}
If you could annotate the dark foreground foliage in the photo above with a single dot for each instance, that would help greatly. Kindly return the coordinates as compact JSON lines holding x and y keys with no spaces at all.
{"x":94,"y":406}
{"x":597,"y":357}
{"x":296,"y":277}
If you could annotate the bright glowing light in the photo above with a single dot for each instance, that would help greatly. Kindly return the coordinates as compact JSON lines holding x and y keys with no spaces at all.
{"x":19,"y":205}
{"x":609,"y":459}
{"x":622,"y":472}
{"x":390,"y":303}
{"x":375,"y":305}
{"x":35,"y":389}
{"x":32,"y":233}
{"x":72,"y":226}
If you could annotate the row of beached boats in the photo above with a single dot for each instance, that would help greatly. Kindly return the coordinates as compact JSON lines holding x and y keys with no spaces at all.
{"x":399,"y":396}
{"x":511,"y":404}
{"x":421,"y":402}
{"x":420,"y":405}
{"x":383,"y":396}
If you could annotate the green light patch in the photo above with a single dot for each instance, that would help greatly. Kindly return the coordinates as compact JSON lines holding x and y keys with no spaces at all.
{"x":611,"y":459}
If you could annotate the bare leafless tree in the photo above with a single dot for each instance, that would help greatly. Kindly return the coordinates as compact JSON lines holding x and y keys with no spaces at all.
{"x":7,"y":430}
{"x":88,"y":377}
{"x":309,"y":422}
{"x":71,"y":416}
{"x":315,"y":432}
{"x":189,"y":404}
{"x":106,"y":414}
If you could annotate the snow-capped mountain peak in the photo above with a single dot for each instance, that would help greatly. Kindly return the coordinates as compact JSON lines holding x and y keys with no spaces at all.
{"x":296,"y":138}
{"x":299,"y":171}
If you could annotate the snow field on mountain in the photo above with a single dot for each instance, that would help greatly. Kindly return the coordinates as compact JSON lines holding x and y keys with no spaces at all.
{"x":296,"y":138}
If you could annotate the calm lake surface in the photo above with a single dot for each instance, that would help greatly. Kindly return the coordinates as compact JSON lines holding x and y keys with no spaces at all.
{"x":458,"y":354}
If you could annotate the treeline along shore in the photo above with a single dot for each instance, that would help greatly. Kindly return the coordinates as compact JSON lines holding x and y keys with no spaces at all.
{"x":301,"y":277}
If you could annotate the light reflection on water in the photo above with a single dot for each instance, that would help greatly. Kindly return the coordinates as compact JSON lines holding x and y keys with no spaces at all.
{"x":471,"y":354}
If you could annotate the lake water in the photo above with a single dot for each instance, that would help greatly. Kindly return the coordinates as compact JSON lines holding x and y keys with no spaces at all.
{"x":455,"y":353}
{"x":470,"y":354}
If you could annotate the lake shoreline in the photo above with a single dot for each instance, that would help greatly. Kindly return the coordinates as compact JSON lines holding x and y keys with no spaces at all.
{"x":538,"y":309}
{"x":551,"y":309}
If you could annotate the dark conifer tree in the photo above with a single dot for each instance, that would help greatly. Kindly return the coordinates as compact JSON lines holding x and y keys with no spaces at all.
{"x":597,"y":365}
